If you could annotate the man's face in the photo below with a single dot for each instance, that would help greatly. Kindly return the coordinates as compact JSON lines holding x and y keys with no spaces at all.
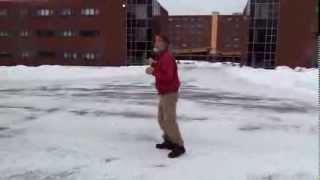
{"x":160,"y":45}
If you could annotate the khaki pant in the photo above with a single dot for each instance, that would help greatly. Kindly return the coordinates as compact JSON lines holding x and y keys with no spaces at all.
{"x":167,"y":118}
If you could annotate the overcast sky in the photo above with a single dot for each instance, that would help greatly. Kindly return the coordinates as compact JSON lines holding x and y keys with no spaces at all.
{"x":181,"y":7}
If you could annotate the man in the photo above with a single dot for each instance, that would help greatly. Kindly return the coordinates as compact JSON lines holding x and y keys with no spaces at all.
{"x":165,"y":71}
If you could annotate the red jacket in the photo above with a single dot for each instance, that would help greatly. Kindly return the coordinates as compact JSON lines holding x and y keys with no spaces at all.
{"x":166,"y":73}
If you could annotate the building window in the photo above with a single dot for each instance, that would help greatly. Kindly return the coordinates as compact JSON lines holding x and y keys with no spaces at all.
{"x":7,"y":33}
{"x":46,"y":54}
{"x":25,"y":55}
{"x":5,"y":54}
{"x":3,"y":12}
{"x":45,"y":33}
{"x":89,"y":33}
{"x":70,"y":55}
{"x":184,"y":45}
{"x":4,"y":34}
{"x":156,"y":9}
{"x":262,"y":11}
{"x":45,"y":12}
{"x":140,"y":34}
{"x":24,"y":33}
{"x":66,"y":12}
{"x":140,"y":46}
{"x":24,"y":12}
{"x":89,"y":56}
{"x":90,"y":12}
{"x":141,"y":11}
{"x":67,"y":33}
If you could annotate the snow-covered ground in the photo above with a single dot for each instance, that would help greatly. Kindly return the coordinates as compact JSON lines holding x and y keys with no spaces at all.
{"x":91,"y":123}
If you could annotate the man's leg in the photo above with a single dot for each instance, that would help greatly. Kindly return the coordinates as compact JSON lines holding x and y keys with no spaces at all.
{"x":170,"y":124}
{"x":160,"y":115}
{"x":167,"y":144}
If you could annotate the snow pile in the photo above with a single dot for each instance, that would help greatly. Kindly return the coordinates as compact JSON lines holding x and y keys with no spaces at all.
{"x":282,"y":82}
{"x":282,"y":77}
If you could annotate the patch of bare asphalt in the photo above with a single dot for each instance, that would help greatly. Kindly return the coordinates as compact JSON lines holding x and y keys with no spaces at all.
{"x":43,"y":175}
{"x":31,"y":109}
{"x":145,"y":95}
{"x":129,"y":114}
{"x":9,"y":133}
{"x":280,"y":176}
{"x":3,"y":128}
{"x":278,"y":127}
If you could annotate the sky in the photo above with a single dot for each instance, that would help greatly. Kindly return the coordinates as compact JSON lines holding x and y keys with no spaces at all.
{"x":194,"y":7}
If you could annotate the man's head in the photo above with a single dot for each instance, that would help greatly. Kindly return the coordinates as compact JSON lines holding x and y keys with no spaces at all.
{"x":161,"y":43}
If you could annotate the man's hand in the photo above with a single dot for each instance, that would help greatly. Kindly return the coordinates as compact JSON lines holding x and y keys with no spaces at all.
{"x":151,"y":61}
{"x":149,"y":70}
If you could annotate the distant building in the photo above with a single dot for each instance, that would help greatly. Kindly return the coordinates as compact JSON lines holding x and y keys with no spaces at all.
{"x":282,"y":32}
{"x":230,"y":37}
{"x":78,"y":32}
{"x":211,"y":37}
{"x":190,"y":32}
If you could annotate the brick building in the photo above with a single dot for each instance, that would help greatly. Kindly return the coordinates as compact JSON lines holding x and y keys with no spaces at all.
{"x":229,"y":42}
{"x":79,"y":32}
{"x":217,"y":37}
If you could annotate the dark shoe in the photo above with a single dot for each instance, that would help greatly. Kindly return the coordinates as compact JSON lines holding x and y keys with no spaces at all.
{"x":177,"y":151}
{"x":165,"y":145}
